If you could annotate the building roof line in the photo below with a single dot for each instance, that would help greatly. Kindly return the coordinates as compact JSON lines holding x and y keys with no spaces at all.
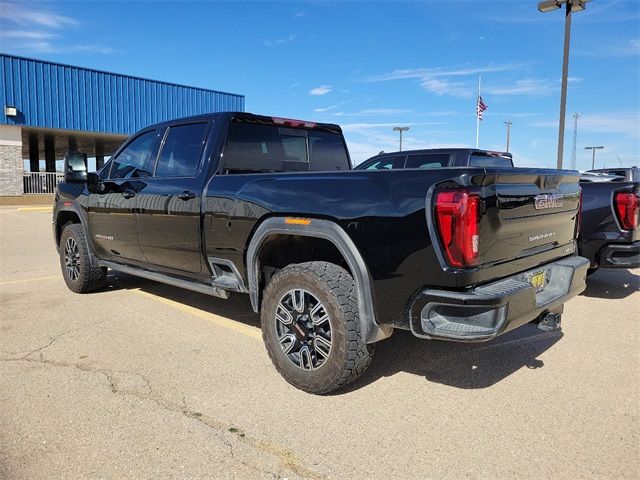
{"x":19,"y":57}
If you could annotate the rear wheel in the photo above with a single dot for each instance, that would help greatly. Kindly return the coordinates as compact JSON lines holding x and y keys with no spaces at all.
{"x":79,"y":275}
{"x":310,"y":327}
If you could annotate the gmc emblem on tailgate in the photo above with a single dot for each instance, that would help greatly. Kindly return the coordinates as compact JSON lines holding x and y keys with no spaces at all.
{"x":550,"y":200}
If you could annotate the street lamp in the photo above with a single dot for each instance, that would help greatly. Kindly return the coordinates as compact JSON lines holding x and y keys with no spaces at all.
{"x":508,"y":124}
{"x":400,"y":129}
{"x":570,"y":6}
{"x":593,"y":158}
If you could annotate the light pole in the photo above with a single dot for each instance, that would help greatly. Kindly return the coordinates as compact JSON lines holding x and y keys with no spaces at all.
{"x":570,"y":6}
{"x":508,"y":124}
{"x":593,"y":158}
{"x":400,"y":129}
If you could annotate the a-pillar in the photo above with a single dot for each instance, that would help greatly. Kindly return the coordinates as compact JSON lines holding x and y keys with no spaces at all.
{"x":49,"y":153}
{"x":34,"y":153}
{"x":11,"y":168}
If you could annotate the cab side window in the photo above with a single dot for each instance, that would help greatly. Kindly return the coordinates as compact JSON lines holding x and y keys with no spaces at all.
{"x":428,"y":161}
{"x":181,"y":152}
{"x":135,"y":160}
{"x":388,"y":163}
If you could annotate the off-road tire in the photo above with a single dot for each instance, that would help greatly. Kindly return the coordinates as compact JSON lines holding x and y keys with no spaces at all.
{"x":89,"y":278}
{"x":334,"y":287}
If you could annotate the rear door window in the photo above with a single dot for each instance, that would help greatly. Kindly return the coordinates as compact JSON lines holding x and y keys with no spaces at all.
{"x":136,"y":158}
{"x":257,"y":148}
{"x":387,"y":163}
{"x":438,"y":160}
{"x":181,"y":151}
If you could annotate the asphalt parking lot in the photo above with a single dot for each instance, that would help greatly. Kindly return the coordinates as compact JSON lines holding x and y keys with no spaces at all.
{"x":142,"y":380}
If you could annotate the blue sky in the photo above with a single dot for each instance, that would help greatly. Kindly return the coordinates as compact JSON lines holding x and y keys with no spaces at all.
{"x":369,"y":66}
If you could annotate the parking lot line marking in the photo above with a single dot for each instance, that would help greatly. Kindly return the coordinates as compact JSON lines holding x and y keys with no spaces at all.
{"x":21,"y":217}
{"x":252,"y":332}
{"x":36,"y":209}
{"x":27,"y":280}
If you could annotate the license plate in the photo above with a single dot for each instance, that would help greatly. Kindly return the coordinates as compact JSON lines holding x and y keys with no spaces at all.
{"x":537,"y":280}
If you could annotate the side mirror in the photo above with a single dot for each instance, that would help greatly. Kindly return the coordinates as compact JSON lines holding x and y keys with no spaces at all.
{"x":75,"y":167}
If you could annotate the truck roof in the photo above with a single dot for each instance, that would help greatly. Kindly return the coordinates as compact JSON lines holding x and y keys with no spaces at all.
{"x":252,"y":118}
{"x":446,"y":150}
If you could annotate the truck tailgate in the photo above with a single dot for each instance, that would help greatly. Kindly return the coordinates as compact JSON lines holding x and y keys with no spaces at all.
{"x":535,"y":211}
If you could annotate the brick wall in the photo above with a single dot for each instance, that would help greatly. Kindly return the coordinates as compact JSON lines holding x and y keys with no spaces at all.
{"x":11,"y":170}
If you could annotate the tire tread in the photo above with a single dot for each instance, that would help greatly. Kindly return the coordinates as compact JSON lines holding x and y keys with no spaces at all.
{"x":342,"y":286}
{"x":91,"y":278}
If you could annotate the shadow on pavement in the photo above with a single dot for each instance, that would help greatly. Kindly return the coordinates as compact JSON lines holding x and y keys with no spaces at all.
{"x":612,"y":284}
{"x":460,"y":365}
{"x":237,"y":307}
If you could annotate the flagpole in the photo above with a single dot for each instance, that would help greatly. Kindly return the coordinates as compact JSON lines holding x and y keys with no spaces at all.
{"x":478,"y":116}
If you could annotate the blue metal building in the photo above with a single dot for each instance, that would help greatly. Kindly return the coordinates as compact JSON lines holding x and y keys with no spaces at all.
{"x":52,"y":108}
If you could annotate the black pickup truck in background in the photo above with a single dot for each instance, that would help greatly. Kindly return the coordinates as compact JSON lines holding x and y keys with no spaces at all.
{"x":610,"y":231}
{"x":437,"y":158}
{"x":630,"y":174}
{"x":333,"y":259}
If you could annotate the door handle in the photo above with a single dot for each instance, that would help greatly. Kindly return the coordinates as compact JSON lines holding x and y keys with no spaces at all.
{"x":186,"y":195}
{"x":128,"y":194}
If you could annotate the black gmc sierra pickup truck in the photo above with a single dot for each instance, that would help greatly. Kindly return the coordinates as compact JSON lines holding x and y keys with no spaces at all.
{"x":610,"y":232}
{"x":333,"y":259}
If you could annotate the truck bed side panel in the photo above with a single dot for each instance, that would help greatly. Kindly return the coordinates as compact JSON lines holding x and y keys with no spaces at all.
{"x":384,"y":213}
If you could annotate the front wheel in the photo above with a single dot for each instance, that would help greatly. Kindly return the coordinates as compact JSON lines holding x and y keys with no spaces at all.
{"x":311,"y":329}
{"x":79,"y":275}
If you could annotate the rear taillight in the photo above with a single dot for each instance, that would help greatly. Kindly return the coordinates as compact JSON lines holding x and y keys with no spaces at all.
{"x":457,"y":214}
{"x":627,"y":208}
{"x":579,"y":216}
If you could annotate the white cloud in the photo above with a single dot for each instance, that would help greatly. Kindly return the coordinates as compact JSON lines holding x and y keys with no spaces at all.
{"x":44,"y":46}
{"x":280,"y":41}
{"x":436,"y":80}
{"x":28,"y":16}
{"x":27,"y":34}
{"x":445,"y":87}
{"x":616,"y":48}
{"x":325,"y":109}
{"x":370,"y":112}
{"x":625,"y":123}
{"x":523,"y":87}
{"x":362,"y":127}
{"x":40,"y":31}
{"x":440,"y":72}
{"x":321,"y":90}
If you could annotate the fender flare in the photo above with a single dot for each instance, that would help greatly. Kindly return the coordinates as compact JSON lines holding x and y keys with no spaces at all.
{"x":370,"y":329}
{"x":93,"y":260}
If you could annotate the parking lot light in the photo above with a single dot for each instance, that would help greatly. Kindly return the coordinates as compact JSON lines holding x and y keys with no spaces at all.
{"x":570,"y":6}
{"x":593,"y":158}
{"x":400,"y":129}
{"x":548,"y":5}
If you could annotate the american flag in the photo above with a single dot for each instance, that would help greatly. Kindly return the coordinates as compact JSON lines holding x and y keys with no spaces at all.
{"x":480,"y":107}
